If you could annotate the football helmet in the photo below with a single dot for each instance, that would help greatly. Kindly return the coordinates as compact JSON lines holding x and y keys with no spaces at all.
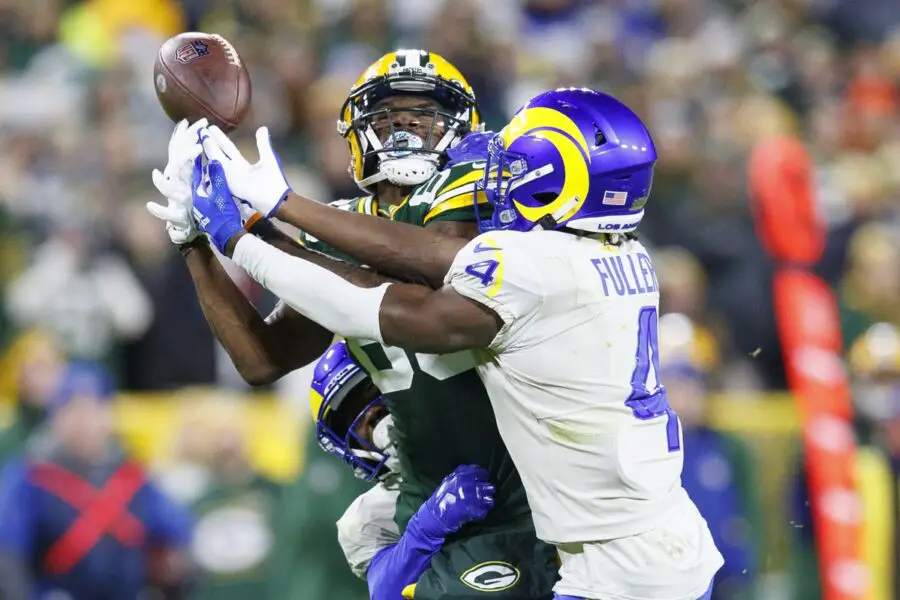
{"x":874,"y":361}
{"x":336,"y":379}
{"x":570,"y":158}
{"x":404,"y":158}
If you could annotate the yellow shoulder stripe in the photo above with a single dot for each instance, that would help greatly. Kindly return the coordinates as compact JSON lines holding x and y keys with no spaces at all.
{"x":470,"y":177}
{"x":498,"y":271}
{"x":409,"y":591}
{"x":461,"y":201}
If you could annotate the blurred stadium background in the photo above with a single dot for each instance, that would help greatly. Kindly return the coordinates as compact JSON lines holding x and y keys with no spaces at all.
{"x":86,"y":273}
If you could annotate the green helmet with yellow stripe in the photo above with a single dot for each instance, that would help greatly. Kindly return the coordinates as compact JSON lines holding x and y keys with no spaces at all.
{"x":383,"y":150}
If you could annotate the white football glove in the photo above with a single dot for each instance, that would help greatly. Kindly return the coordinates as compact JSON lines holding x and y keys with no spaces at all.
{"x":262,"y":184}
{"x":175,"y":183}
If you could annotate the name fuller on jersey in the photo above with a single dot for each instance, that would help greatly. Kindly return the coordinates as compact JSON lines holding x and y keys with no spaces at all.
{"x":635,"y":277}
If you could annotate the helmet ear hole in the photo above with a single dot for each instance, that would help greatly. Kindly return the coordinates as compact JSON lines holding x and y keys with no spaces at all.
{"x":544,"y":197}
{"x":599,"y":137}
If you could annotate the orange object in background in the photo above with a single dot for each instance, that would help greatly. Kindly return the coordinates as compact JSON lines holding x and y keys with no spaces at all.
{"x":780,"y":176}
{"x":781,"y":189}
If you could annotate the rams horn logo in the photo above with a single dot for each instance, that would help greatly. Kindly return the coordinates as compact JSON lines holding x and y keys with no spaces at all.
{"x":493,"y":576}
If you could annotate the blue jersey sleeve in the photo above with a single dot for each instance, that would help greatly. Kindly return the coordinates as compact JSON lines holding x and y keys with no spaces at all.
{"x":168,"y":523}
{"x":17,"y":511}
{"x":401,"y":564}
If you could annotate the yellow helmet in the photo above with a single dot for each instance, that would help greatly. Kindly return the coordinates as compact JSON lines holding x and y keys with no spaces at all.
{"x":876,"y":353}
{"x":874,"y":360}
{"x":414,"y":73}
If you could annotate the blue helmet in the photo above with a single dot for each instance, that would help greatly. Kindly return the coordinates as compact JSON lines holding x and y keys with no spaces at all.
{"x":337,"y":378}
{"x":473,"y":147}
{"x":570,"y":158}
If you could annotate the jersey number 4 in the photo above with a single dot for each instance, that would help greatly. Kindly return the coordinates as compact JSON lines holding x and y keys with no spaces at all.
{"x":483,"y":270}
{"x":648,"y":403}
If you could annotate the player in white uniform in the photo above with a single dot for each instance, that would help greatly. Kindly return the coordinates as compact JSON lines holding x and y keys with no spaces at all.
{"x":562,"y":300}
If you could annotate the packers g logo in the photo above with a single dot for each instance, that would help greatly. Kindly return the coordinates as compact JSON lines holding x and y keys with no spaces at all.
{"x":493,"y":576}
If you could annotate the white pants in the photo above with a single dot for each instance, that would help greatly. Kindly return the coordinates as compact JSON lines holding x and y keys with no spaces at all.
{"x":675,"y":561}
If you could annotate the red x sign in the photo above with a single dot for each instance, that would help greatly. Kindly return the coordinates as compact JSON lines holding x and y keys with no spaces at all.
{"x":103,"y":511}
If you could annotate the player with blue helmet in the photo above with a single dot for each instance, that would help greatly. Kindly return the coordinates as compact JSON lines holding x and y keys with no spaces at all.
{"x":415,"y":140}
{"x":351,"y":416}
{"x":352,"y":423}
{"x":560,"y":301}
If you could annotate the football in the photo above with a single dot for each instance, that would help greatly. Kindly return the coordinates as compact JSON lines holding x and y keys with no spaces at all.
{"x":199,"y":75}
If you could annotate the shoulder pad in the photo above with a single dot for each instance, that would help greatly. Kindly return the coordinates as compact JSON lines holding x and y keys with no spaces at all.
{"x":449,"y":183}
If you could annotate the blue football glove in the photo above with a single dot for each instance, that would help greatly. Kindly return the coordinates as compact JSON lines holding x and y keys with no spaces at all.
{"x":262,"y":184}
{"x":214,"y":208}
{"x":464,"y":496}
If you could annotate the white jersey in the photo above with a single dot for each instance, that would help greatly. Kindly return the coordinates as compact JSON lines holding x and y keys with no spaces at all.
{"x":572,"y":377}
{"x":368,"y":526}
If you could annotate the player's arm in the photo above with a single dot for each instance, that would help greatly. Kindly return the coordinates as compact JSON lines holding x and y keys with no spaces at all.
{"x":411,"y":316}
{"x":445,"y":206}
{"x":400,"y":565}
{"x":263,"y":350}
{"x":459,"y":229}
{"x":391,"y":247}
{"x":405,"y":251}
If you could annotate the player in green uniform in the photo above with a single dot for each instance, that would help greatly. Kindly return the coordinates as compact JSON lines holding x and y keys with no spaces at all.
{"x":401,"y":117}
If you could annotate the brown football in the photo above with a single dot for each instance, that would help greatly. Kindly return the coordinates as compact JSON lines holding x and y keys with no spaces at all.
{"x":200,"y":75}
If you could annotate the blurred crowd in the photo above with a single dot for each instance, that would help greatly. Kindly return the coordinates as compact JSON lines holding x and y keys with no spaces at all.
{"x":87,"y":274}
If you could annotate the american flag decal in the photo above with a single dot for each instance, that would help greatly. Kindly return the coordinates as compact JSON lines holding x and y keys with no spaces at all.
{"x":615,"y":198}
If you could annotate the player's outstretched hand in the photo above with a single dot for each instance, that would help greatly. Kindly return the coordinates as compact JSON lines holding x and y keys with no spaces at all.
{"x":214,"y":208}
{"x":262,"y":184}
{"x":175,"y":183}
{"x":464,"y":496}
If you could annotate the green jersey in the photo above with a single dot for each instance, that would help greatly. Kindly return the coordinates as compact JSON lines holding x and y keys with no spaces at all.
{"x":443,"y":419}
{"x":442,"y":414}
{"x":248,"y":513}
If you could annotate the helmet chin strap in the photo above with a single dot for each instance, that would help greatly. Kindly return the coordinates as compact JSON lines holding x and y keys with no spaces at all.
{"x":551,"y":221}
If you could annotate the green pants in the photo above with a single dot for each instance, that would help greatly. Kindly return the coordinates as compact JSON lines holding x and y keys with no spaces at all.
{"x":504,"y":565}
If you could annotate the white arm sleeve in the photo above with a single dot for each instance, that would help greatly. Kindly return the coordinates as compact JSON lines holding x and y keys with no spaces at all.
{"x":367,"y":526}
{"x":316,"y":293}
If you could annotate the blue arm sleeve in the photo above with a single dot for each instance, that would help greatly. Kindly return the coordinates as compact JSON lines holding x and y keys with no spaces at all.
{"x":17,"y":512}
{"x":400,"y":565}
{"x":168,"y":523}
